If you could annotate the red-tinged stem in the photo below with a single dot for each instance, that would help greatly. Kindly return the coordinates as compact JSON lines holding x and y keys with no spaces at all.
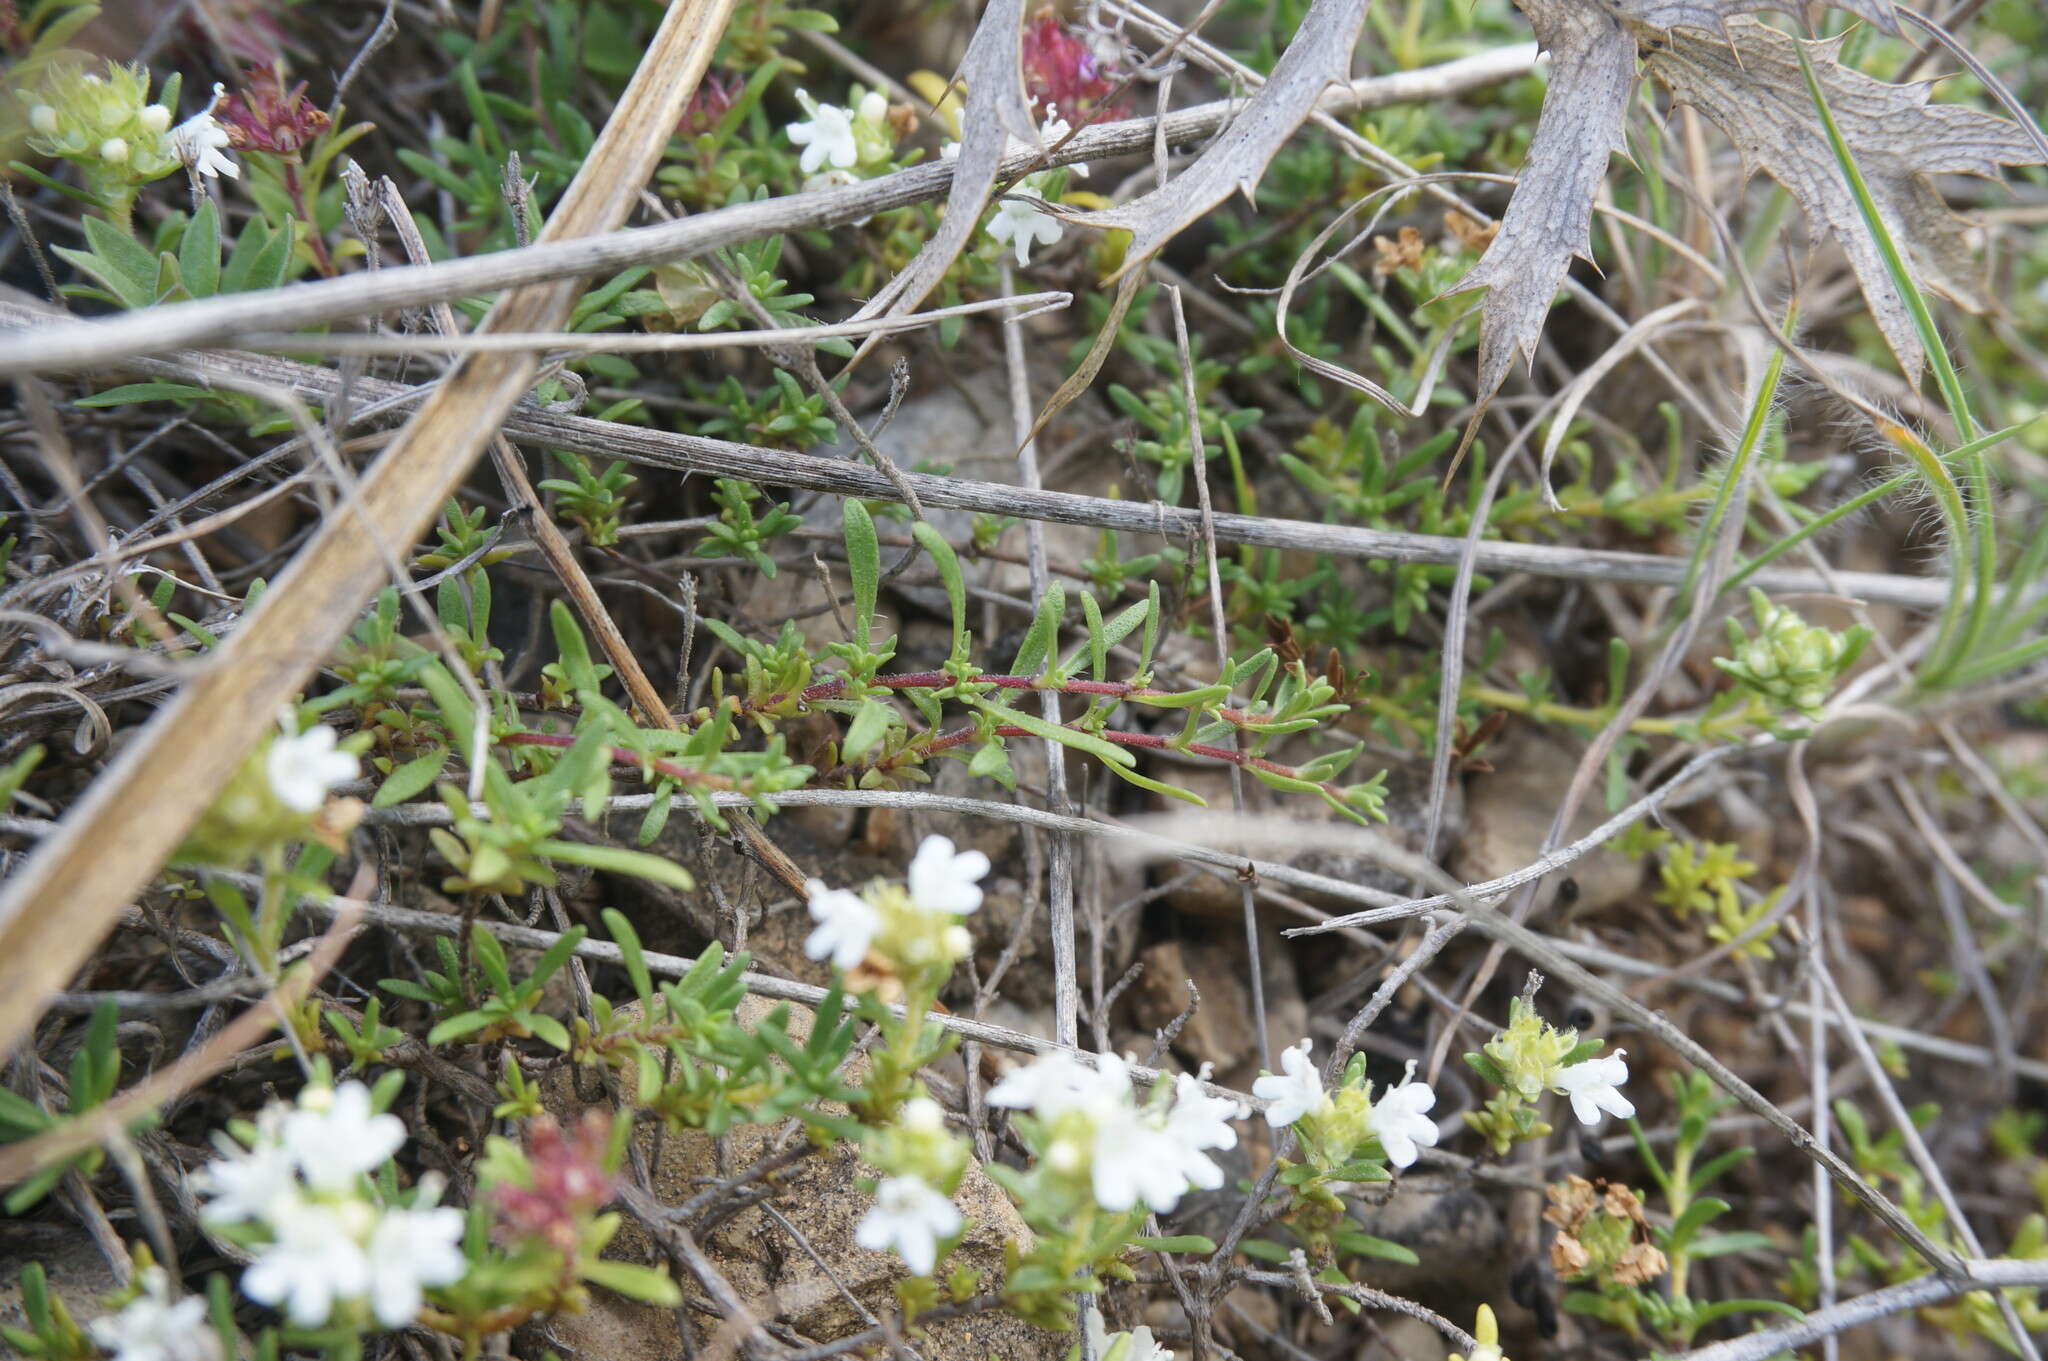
{"x":623,"y":756}
{"x":321,"y":260}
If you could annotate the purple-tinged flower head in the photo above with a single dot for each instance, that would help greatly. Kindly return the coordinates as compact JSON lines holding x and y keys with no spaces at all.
{"x":715,"y":96}
{"x":569,"y":1183}
{"x":264,"y":116}
{"x":1063,"y":70}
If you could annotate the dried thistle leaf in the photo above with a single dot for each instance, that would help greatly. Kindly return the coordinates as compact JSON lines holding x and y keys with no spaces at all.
{"x":1318,"y":57}
{"x":997,"y":110}
{"x":1593,"y":46}
{"x":1755,"y":92}
{"x":1712,"y":14}
{"x":1592,"y":77}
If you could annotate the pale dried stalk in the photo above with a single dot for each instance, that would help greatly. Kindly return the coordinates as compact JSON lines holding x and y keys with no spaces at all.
{"x":698,"y":454}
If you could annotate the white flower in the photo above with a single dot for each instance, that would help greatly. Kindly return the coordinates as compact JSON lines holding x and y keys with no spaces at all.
{"x":910,"y":1217}
{"x":1133,"y":1154}
{"x":942,"y":879}
{"x":1296,"y":1092}
{"x":826,"y":139}
{"x":43,"y":119}
{"x":155,"y":118}
{"x":248,"y":1183}
{"x":1141,"y":1346}
{"x":1056,"y":1082}
{"x":1018,"y":224}
{"x":303,"y":766}
{"x":1135,"y":1159}
{"x":922,"y":1115}
{"x":1397,"y":1119}
{"x":1197,"y":1122}
{"x":409,"y":1250}
{"x":874,"y":108}
{"x":1594,"y":1087}
{"x":202,"y":144}
{"x":847,"y":924}
{"x":114,"y":150}
{"x":154,"y":1327}
{"x":335,"y":1139}
{"x":312,"y":1261}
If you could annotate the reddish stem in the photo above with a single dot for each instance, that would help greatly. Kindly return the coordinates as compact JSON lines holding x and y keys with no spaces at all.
{"x":622,"y":756}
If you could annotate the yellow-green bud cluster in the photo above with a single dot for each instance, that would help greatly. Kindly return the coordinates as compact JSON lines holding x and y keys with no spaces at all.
{"x":913,"y":938}
{"x":1530,"y":1052}
{"x":919,"y":1145}
{"x":103,"y":121}
{"x":1790,"y":663}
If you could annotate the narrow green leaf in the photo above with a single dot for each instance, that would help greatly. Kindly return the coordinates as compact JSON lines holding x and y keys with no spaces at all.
{"x":199,"y":251}
{"x":863,"y":563}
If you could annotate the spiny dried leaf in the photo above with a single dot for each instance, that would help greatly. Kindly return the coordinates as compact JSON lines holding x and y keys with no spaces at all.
{"x":997,"y":109}
{"x":1712,"y":14}
{"x":1317,"y":58}
{"x":1755,"y":92}
{"x":1592,"y":77}
{"x":1593,"y":46}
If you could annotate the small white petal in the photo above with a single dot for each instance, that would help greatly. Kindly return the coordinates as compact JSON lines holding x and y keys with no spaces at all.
{"x":1295,"y":1092}
{"x":339,"y":1140}
{"x":303,"y":767}
{"x":1399,"y":1121}
{"x":410,"y":1250}
{"x":1594,"y":1087}
{"x":847,"y":924}
{"x":911,"y":1217}
{"x":942,"y":879}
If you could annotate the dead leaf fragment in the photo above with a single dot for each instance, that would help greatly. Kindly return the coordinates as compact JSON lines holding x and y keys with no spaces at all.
{"x":1593,"y":46}
{"x":1755,"y":92}
{"x":1592,"y":78}
{"x":1403,"y":252}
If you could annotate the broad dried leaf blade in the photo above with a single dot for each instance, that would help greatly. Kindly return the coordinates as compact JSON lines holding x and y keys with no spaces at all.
{"x":1713,"y":14}
{"x":1592,"y":77}
{"x":1318,"y":57}
{"x":1754,"y":91}
{"x":1593,"y":47}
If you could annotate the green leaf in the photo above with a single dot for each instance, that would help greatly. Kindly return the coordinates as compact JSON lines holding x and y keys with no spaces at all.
{"x":199,"y":251}
{"x":1365,"y":1245}
{"x":870,"y":725}
{"x":863,"y":563}
{"x":1045,"y":627}
{"x":259,"y":259}
{"x":547,"y":1028}
{"x":414,"y":777}
{"x":144,"y":392}
{"x":618,"y":860}
{"x":1186,"y":1242}
{"x":628,"y":940}
{"x":635,"y":1282}
{"x":948,"y":565}
{"x":455,"y":1027}
{"x":569,"y":641}
{"x":1722,"y":1244}
{"x":1080,"y":741}
{"x":118,"y":260}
